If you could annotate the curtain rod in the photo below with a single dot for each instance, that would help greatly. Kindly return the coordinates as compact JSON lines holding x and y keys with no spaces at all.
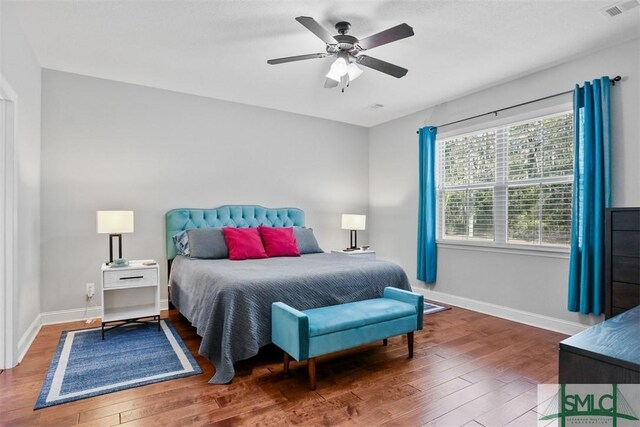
{"x":613,"y":82}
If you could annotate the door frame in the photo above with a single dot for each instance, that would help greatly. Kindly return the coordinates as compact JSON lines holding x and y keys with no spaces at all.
{"x":8,"y":223}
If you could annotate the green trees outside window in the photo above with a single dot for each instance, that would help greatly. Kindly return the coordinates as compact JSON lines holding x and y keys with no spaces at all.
{"x":510,"y":184}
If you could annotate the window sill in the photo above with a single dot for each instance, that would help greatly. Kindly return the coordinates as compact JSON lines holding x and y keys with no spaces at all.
{"x":529,"y":250}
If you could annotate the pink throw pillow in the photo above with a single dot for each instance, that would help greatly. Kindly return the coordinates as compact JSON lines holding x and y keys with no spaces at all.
{"x":243,"y":243}
{"x":279,"y":241}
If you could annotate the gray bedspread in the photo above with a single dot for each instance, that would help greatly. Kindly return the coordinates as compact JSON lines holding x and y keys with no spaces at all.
{"x":229,"y":302}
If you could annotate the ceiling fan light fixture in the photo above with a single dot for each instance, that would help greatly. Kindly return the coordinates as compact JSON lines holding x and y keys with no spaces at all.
{"x":354,"y":71}
{"x":338,"y":69}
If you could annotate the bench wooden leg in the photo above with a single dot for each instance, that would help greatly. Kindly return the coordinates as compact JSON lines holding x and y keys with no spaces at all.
{"x":312,"y":373}
{"x":385,"y":342}
{"x":410,"y":343}
{"x":286,"y":363}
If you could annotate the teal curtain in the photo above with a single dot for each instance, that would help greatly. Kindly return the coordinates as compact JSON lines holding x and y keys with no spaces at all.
{"x":591,"y":195}
{"x":427,"y":253}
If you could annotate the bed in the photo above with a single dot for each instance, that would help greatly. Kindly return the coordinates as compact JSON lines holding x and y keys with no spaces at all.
{"x":229,"y":302}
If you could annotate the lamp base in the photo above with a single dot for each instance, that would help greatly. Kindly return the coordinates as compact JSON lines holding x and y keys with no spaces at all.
{"x":353,"y":237}
{"x":111,"y":237}
{"x":120,"y":262}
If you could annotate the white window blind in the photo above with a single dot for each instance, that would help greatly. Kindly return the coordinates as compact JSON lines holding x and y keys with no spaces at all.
{"x":511,"y":184}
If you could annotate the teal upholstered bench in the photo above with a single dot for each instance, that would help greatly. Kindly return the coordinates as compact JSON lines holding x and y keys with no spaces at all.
{"x":310,"y":333}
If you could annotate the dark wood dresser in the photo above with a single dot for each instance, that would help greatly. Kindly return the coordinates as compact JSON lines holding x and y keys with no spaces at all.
{"x":606,"y":353}
{"x":622,"y":259}
{"x":609,"y":352}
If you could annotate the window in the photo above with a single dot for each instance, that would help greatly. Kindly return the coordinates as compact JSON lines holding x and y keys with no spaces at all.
{"x":511,"y":184}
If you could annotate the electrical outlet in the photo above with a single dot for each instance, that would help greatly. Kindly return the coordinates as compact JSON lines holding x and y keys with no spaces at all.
{"x":91,"y":290}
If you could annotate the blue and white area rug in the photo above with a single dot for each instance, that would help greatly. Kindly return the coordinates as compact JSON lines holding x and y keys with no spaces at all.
{"x":84,"y":365}
{"x":431,"y":307}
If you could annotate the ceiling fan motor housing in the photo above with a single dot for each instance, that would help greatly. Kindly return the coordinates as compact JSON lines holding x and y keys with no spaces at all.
{"x":346,"y":42}
{"x":343,"y":27}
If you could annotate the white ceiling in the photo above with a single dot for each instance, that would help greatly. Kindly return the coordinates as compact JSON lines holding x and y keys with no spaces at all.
{"x":219,"y":49}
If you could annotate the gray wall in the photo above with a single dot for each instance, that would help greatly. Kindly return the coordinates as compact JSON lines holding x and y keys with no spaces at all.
{"x":22,"y":71}
{"x":531,"y":283}
{"x":109,"y":145}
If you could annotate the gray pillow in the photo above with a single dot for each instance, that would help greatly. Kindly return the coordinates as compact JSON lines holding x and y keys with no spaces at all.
{"x":307,"y":243}
{"x":207,"y":243}
{"x":181,"y":240}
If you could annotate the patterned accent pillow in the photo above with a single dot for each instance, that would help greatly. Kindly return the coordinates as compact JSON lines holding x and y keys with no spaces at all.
{"x":181,"y":241}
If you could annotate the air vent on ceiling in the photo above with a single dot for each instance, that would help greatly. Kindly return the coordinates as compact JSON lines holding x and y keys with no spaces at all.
{"x":620,"y":7}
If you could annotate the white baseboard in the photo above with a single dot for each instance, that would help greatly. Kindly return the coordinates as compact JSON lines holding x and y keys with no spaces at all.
{"x":76,"y":314}
{"x":61,"y":316}
{"x":520,"y":316}
{"x":27,"y":338}
{"x":72,"y":315}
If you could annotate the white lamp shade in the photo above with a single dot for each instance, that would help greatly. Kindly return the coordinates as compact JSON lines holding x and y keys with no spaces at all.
{"x":353,"y":222}
{"x":338,"y":69}
{"x":114,"y":222}
{"x":354,"y":71}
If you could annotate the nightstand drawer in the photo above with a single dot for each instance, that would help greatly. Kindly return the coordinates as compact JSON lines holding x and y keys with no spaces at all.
{"x":130,"y":278}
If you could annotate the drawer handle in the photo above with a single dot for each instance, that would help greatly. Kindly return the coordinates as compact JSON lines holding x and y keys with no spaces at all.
{"x":132,"y":277}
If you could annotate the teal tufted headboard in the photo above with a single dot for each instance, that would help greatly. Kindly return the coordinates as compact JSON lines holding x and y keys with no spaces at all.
{"x":242,"y":216}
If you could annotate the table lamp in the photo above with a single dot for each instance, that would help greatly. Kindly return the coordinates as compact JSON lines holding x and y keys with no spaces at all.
{"x":114,"y":223}
{"x":353,"y":223}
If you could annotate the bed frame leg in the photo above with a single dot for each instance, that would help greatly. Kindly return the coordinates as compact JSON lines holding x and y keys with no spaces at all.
{"x":286,"y":363}
{"x":385,"y":342}
{"x":312,"y":373}
{"x":410,"y":344}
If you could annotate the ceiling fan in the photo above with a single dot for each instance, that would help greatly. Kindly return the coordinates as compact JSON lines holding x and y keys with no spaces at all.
{"x":347,"y":49}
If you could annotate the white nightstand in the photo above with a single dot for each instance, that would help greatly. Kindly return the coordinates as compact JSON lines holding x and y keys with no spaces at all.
{"x":360,"y":253}
{"x":130,"y":293}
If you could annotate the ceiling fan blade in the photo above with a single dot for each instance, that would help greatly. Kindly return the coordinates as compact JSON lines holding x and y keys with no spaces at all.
{"x":316,"y":29}
{"x":330,"y":83}
{"x":387,"y":36}
{"x":297,"y":58}
{"x":382,"y":66}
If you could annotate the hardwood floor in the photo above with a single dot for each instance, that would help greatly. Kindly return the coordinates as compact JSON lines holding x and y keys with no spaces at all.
{"x":469,"y":369}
